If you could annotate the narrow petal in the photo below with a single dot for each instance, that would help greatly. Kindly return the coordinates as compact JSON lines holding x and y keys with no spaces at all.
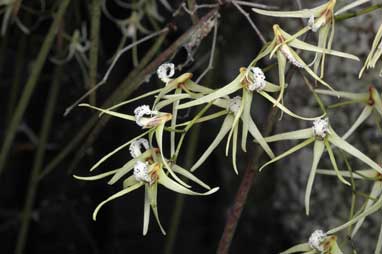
{"x":305,"y":13}
{"x":281,"y":60}
{"x":334,"y":162}
{"x":372,"y":209}
{"x":129,"y":181}
{"x":291,"y":135}
{"x":347,"y":95}
{"x":109,"y":112}
{"x":245,"y":118}
{"x":271,"y":88}
{"x":224,"y":91}
{"x":132,"y":100}
{"x":159,"y":136}
{"x":234,"y":149}
{"x":350,"y":6}
{"x":359,"y":174}
{"x":366,"y":112}
{"x":302,"y":247}
{"x":258,"y":137}
{"x":146,"y":213}
{"x":198,"y":88}
{"x":342,"y":144}
{"x":226,"y":126}
{"x":284,"y":109}
{"x":116,"y":195}
{"x":289,"y":152}
{"x":318,"y":149}
{"x":296,"y":43}
{"x":189,"y":175}
{"x":96,"y":177}
{"x":173,"y":122}
{"x":174,"y":186}
{"x":152,"y":195}
{"x":378,"y":248}
{"x":374,"y":194}
{"x":107,"y":156}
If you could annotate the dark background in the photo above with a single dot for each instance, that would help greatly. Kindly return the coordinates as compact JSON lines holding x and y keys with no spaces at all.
{"x":61,"y":221}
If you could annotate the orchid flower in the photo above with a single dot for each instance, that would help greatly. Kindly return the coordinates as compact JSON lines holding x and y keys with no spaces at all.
{"x":371,"y":100}
{"x":239,"y":108}
{"x":149,"y":170}
{"x":147,"y":119}
{"x":321,"y":20}
{"x":78,"y":47}
{"x":282,"y":45}
{"x":375,"y":53}
{"x":182,"y":86}
{"x":319,"y":242}
{"x":375,"y":193}
{"x":323,"y":136}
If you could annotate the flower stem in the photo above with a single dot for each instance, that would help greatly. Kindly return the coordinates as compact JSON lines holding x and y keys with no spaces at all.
{"x":94,"y":38}
{"x":38,"y":162}
{"x":30,"y":85}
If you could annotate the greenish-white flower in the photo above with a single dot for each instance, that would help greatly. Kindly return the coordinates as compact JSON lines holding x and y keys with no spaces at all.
{"x":323,"y":137}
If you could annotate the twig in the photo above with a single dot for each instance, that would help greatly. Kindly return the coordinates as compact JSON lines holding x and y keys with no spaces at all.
{"x":104,"y":79}
{"x":31,"y":83}
{"x":211,"y":60}
{"x":246,"y":15}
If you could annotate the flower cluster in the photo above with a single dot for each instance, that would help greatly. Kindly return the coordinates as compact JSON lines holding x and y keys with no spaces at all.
{"x":151,"y":164}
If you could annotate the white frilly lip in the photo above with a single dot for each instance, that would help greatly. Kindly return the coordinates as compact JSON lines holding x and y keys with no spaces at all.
{"x":321,"y":127}
{"x":257,"y":79}
{"x":137,"y":145}
{"x":234,"y":104}
{"x":141,"y":172}
{"x":316,"y":239}
{"x":165,"y":72}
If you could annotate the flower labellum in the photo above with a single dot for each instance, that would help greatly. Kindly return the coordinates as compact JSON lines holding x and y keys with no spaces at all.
{"x":257,"y":78}
{"x":316,"y":238}
{"x":141,"y":172}
{"x":165,"y":72}
{"x":135,"y":147}
{"x":234,"y":104}
{"x":321,"y":127}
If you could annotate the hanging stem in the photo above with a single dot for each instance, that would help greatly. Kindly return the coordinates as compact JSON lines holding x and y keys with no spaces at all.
{"x":30,"y":85}
{"x":94,"y":38}
{"x":38,"y":162}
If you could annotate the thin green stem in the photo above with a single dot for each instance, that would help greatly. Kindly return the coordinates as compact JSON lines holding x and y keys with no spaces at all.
{"x":349,"y":15}
{"x":20,"y":63}
{"x":38,"y":162}
{"x":179,"y":202}
{"x":31,"y":83}
{"x":94,"y":38}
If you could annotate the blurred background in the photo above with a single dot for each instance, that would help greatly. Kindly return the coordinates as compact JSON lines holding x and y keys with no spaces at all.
{"x":53,"y":52}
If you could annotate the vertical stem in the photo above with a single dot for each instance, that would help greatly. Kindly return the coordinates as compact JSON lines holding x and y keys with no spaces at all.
{"x":94,"y":38}
{"x":179,"y":202}
{"x":31,"y":83}
{"x":20,"y":61}
{"x":38,"y":162}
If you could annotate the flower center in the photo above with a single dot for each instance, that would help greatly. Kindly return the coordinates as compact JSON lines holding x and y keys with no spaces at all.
{"x":316,"y":239}
{"x":321,"y":127}
{"x":141,"y":111}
